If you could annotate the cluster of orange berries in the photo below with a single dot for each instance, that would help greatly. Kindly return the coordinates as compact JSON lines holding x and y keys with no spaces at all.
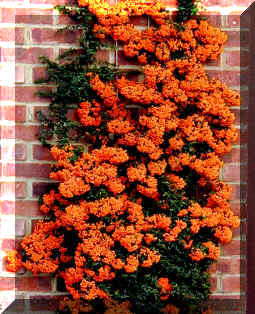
{"x":166,"y":288}
{"x":182,"y":125}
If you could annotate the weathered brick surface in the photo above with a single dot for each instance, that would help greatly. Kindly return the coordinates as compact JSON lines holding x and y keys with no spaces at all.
{"x":33,"y":284}
{"x":34,"y":35}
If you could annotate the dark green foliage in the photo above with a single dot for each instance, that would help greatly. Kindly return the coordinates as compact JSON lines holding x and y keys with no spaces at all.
{"x":174,"y":199}
{"x":186,"y":9}
{"x":72,"y":87}
{"x":68,"y":75}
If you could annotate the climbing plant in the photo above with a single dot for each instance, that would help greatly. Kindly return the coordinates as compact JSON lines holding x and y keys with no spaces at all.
{"x":139,"y":211}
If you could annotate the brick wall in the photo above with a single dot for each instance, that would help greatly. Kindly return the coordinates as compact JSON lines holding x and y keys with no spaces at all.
{"x":29,"y":25}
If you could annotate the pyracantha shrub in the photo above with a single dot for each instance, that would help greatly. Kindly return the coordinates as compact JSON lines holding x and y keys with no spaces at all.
{"x":136,"y":220}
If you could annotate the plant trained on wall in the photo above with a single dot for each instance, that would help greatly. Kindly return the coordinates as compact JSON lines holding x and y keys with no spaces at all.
{"x":139,"y":211}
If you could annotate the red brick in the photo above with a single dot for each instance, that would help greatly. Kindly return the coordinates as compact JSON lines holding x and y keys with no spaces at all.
{"x":8,"y":132}
{"x":19,"y":35}
{"x":229,"y":266}
{"x":7,"y":283}
{"x":236,"y":209}
{"x":20,"y":113}
{"x":20,"y":227}
{"x":232,"y":58}
{"x":26,"y":16}
{"x":26,"y":132}
{"x":212,"y":269}
{"x":231,"y":172}
{"x":237,"y":58}
{"x":7,"y":34}
{"x":214,"y":62}
{"x":7,"y":93}
{"x":230,"y":78}
{"x":19,"y":74}
{"x":214,"y":18}
{"x":9,"y":169}
{"x":238,"y":191}
{"x":233,"y":156}
{"x":12,"y":34}
{"x":7,"y":113}
{"x":39,"y":73}
{"x":27,"y":93}
{"x":17,"y":188}
{"x":102,"y":55}
{"x":241,"y":115}
{"x":29,"y":170}
{"x":231,"y":284}
{"x":20,"y":189}
{"x":41,"y":153}
{"x":27,"y":208}
{"x":31,"y":55}
{"x":48,"y":35}
{"x":10,"y":244}
{"x":13,"y":113}
{"x":232,"y":248}
{"x":7,"y":207}
{"x":40,"y":188}
{"x":7,"y":54}
{"x":213,"y":281}
{"x":20,"y":152}
{"x":6,"y":152}
{"x":233,"y":39}
{"x":33,"y":284}
{"x":233,"y":20}
{"x":65,"y":20}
